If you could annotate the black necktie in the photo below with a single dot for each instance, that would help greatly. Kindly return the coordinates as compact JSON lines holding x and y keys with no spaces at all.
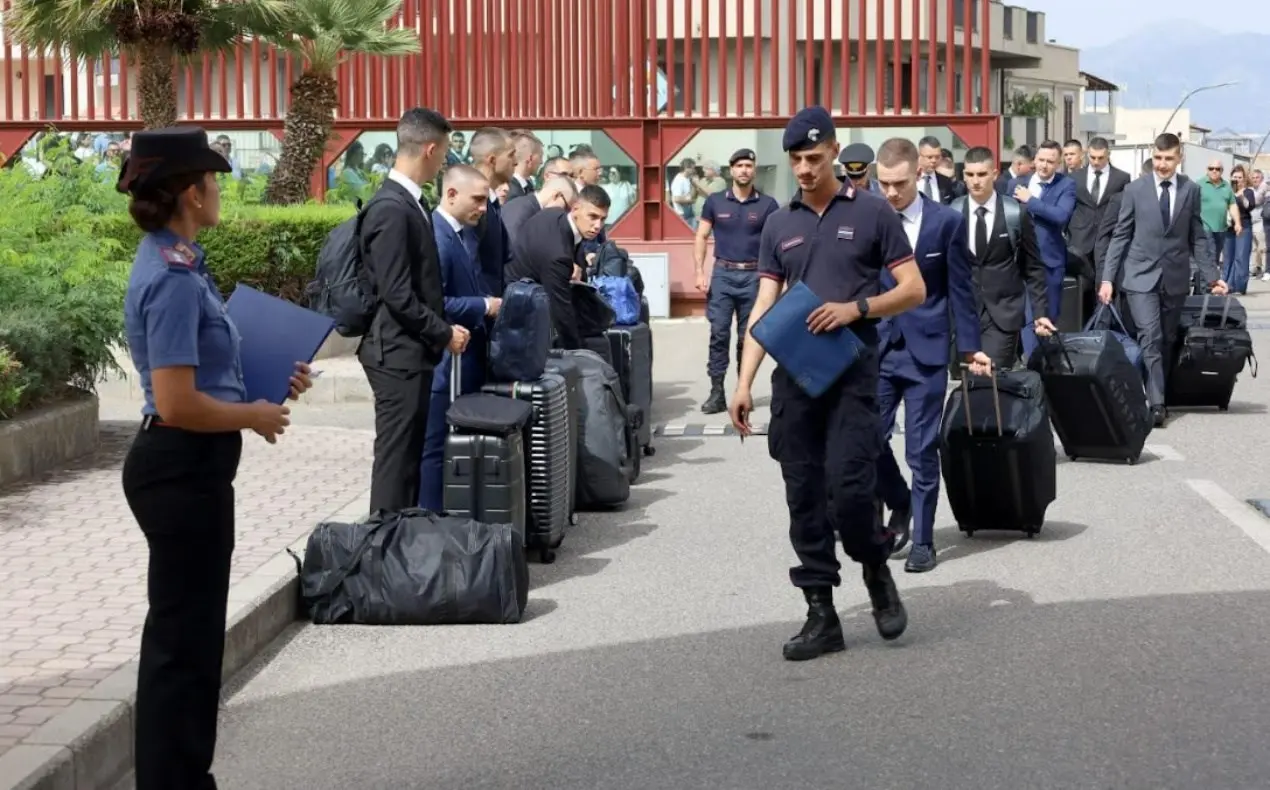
{"x":1166,"y":208}
{"x":427,"y":212}
{"x":981,"y":232}
{"x":1097,"y":190}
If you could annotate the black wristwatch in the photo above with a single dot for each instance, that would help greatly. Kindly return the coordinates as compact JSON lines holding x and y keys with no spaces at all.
{"x":862,"y":304}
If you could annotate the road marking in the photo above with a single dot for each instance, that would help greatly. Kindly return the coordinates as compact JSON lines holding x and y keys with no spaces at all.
{"x":697,"y":430}
{"x":1236,"y":512}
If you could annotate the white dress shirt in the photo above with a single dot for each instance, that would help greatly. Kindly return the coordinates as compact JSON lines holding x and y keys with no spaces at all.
{"x":414,"y":189}
{"x":989,"y":219}
{"x":1035,"y":183}
{"x":1172,"y":193}
{"x":1102,"y":183}
{"x":912,"y":219}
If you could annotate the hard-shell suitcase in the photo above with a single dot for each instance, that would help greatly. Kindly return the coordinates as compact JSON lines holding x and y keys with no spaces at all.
{"x":1097,"y":400}
{"x":1071,"y":316}
{"x":568,"y":370}
{"x":997,"y":453}
{"x":1210,"y":356}
{"x":632,"y":355}
{"x":484,"y":475}
{"x":547,"y":441}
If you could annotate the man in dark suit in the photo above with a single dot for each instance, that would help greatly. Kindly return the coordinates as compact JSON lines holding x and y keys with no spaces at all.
{"x":555,"y":193}
{"x":1005,"y":262}
{"x":1096,"y":183}
{"x":492,"y":152}
{"x":528,"y":160}
{"x":1049,"y":198}
{"x":914,"y":349}
{"x":1158,"y":232}
{"x":468,"y":303}
{"x":1021,"y":166}
{"x":548,"y":250}
{"x":930,"y":182}
{"x":408,"y":333}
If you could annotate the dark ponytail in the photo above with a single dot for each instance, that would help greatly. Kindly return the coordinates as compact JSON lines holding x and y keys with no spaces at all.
{"x":154,"y":206}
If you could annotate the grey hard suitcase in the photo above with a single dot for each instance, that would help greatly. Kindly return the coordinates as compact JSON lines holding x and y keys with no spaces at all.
{"x":548,"y":459}
{"x":632,"y":357}
{"x":568,"y":370}
{"x":484,"y":476}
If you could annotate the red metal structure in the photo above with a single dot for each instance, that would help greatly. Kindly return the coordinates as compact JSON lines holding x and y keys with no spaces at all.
{"x":569,"y":64}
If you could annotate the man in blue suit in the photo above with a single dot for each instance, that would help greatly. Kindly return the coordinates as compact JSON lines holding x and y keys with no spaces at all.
{"x":468,"y":303}
{"x":1049,"y":197}
{"x":914,"y":346}
{"x":493,"y":153}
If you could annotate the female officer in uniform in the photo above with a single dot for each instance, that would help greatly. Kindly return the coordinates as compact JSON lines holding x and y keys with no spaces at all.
{"x":179,"y":474}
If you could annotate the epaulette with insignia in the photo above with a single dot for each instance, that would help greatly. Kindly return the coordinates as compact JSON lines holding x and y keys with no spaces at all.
{"x":177,"y":257}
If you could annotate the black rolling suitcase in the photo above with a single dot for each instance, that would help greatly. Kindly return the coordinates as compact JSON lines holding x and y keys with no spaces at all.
{"x":1213,"y":348}
{"x":547,"y":439}
{"x":1071,"y":316}
{"x":632,"y":358}
{"x":484,"y":475}
{"x":1097,"y":400}
{"x":997,"y":453}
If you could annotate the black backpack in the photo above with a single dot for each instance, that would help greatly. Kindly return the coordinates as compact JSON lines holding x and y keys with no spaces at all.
{"x":613,"y":261}
{"x":341,"y":290}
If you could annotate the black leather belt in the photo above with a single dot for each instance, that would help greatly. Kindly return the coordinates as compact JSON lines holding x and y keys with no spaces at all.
{"x":150,"y":421}
{"x":737,"y":266}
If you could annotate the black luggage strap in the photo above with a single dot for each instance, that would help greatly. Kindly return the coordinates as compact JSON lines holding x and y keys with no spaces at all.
{"x":996,"y":402}
{"x":334,"y":580}
{"x":1048,"y":345}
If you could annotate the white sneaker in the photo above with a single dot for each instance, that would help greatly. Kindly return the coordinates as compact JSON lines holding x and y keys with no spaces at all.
{"x":1265,"y":278}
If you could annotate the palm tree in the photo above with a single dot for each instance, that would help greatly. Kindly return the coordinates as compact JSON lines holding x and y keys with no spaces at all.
{"x":322,"y":32}
{"x":151,"y":32}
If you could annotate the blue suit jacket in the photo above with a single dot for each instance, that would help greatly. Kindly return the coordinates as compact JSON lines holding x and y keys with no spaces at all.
{"x":1050,"y":215}
{"x":943,"y":255}
{"x":465,"y":293}
{"x":495,"y":251}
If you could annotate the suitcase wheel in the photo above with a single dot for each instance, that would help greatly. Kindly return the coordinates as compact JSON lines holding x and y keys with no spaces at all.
{"x":1223,"y":406}
{"x":1072,"y":457}
{"x":547,"y":555}
{"x":649,"y":450}
{"x":573,"y":519}
{"x":1131,"y":461}
{"x":970,"y":532}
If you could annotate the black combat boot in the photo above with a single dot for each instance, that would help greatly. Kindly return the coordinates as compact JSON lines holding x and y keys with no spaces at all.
{"x":717,"y":403}
{"x":822,"y":633}
{"x":888,"y":609}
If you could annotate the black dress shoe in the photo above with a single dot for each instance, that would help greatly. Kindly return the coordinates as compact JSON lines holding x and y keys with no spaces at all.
{"x":921,"y":558}
{"x":888,"y":609}
{"x":901,"y":528}
{"x":822,"y":633}
{"x":1159,"y":415}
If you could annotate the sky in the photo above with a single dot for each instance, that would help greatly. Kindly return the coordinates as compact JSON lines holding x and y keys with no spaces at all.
{"x":1093,"y":23}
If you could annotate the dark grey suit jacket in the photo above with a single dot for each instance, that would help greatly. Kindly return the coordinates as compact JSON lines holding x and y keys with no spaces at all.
{"x":1154,"y":257}
{"x":1082,"y":229}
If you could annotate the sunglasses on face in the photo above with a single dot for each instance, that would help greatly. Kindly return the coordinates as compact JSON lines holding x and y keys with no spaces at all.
{"x":1215,"y":169}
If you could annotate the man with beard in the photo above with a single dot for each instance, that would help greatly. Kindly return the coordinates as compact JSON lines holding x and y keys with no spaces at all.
{"x":736,"y":217}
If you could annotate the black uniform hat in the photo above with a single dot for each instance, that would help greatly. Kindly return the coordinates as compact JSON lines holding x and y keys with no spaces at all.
{"x":158,"y":154}
{"x":741,"y":155}
{"x":808,"y":129}
{"x":856,"y":159}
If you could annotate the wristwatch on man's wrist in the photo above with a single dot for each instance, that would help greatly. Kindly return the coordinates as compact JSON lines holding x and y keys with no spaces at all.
{"x":862,"y":304}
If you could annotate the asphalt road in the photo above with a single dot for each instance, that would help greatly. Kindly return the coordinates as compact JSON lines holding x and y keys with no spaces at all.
{"x":1125,"y":647}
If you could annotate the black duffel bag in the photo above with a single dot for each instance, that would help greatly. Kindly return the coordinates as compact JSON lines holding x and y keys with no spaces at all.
{"x":415,"y":567}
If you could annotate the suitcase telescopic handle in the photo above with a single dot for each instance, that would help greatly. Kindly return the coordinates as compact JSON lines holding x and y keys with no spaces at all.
{"x":996,"y":400}
{"x":1225,"y":310}
{"x":456,"y":378}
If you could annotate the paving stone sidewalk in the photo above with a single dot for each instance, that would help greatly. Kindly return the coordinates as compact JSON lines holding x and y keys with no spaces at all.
{"x":73,"y":561}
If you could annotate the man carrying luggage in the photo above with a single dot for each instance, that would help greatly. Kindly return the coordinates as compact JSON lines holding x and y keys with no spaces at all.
{"x":837,"y":240}
{"x":915,"y":349}
{"x":736,"y":217}
{"x":468,"y":303}
{"x":1159,"y":230}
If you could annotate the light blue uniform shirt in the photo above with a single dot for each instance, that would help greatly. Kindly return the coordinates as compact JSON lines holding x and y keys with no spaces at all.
{"x":175,"y":317}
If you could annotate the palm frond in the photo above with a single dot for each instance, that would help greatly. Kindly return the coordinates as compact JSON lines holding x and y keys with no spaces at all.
{"x":320,"y":30}
{"x":227,"y":21}
{"x":81,"y":25}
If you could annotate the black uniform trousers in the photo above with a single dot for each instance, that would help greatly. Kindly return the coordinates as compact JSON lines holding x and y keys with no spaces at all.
{"x":828,"y":449}
{"x":180,"y":487}
{"x":402,"y":400}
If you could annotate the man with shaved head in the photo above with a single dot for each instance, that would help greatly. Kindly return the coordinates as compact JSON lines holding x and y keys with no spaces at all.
{"x":1217,"y":207}
{"x":528,"y":158}
{"x":494,"y":154}
{"x":556,"y":192}
{"x":468,"y":303}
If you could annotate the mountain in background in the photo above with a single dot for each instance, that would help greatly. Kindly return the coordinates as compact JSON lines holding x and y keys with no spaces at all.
{"x":1158,"y":65}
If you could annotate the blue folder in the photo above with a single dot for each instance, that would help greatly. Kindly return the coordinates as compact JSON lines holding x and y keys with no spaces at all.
{"x":276,"y":334}
{"x":814,"y":361}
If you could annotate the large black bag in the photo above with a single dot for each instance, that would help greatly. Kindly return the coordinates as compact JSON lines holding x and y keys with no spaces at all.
{"x":1213,"y":348}
{"x":1097,"y":400}
{"x":414,"y":568}
{"x":605,"y":453}
{"x":997,"y":453}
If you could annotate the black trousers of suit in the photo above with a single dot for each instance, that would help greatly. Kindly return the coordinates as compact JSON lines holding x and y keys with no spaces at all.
{"x":402,"y":398}
{"x":1000,"y":346}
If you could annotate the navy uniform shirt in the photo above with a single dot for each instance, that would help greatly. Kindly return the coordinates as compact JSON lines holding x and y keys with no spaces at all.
{"x":840,"y":253}
{"x":737,"y":224}
{"x":175,"y":317}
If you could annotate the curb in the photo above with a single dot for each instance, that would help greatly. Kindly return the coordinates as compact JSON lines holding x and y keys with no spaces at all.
{"x":89,"y":745}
